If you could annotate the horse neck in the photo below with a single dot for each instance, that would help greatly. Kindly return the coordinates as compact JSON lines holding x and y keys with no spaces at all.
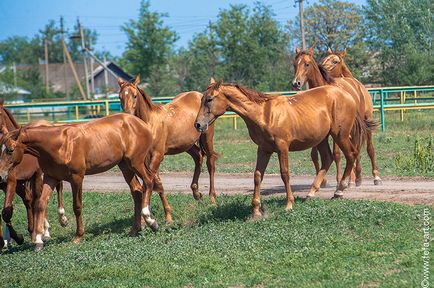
{"x":316,"y":79}
{"x":143,"y":111}
{"x":345,"y":70}
{"x":9,"y":121}
{"x":247,"y":109}
{"x":40,"y":138}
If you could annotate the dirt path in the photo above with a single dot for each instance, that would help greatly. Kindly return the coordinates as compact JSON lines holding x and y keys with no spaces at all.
{"x":404,"y":190}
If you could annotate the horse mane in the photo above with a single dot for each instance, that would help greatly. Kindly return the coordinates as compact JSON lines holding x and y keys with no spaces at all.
{"x":148,"y":101}
{"x":11,"y":118}
{"x":252,"y":95}
{"x":325,"y":74}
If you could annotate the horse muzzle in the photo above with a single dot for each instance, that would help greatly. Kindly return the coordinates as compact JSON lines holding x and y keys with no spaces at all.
{"x":201,"y":127}
{"x":296,"y":85}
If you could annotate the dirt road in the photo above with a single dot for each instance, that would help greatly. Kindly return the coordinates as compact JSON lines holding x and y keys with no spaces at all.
{"x":404,"y":190}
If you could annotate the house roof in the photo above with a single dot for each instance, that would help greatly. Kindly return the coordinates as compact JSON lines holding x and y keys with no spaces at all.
{"x":9,"y":89}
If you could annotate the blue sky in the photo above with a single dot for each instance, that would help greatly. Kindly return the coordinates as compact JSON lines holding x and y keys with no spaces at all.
{"x":187,"y":17}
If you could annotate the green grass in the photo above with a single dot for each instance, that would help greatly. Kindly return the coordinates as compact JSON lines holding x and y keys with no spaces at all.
{"x":238,"y":152}
{"x":319,"y":244}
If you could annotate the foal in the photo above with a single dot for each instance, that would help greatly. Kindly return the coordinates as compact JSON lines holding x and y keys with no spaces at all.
{"x":26,"y":181}
{"x":334,"y":63}
{"x":69,"y":152}
{"x":281,"y":124}
{"x":173,"y":132}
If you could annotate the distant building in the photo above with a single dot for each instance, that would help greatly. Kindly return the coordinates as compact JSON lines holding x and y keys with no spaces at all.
{"x":12,"y":94}
{"x":105,"y":81}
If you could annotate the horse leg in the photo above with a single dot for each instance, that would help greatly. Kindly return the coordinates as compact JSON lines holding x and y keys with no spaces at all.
{"x":8,"y":209}
{"x":207,"y":143}
{"x":40,"y":207}
{"x":326,"y":162}
{"x":77,"y":201}
{"x":148,"y":181}
{"x":337,"y":158}
{"x":358,"y":171}
{"x":136,"y":193}
{"x":350,"y":153}
{"x":284,"y":174}
{"x":197,"y":156}
{"x":262,"y":160}
{"x":155,"y":166}
{"x":63,"y":220}
{"x":371,"y":153}
{"x":315,"y":160}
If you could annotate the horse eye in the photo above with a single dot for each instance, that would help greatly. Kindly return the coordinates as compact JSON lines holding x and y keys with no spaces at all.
{"x":306,"y":64}
{"x":335,"y":62}
{"x":208,"y":100}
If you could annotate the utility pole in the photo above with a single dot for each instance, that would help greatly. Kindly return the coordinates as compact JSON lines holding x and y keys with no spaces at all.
{"x":65,"y":83}
{"x":105,"y":76}
{"x":46,"y":63}
{"x":14,"y":68}
{"x":83,"y":49}
{"x":92,"y":82}
{"x":300,"y":5}
{"x":74,"y":72}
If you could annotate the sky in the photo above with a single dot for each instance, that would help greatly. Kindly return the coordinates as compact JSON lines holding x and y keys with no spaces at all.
{"x":186,"y":17}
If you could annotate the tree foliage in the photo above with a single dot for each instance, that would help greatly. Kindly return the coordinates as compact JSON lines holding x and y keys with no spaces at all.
{"x":401,"y":31}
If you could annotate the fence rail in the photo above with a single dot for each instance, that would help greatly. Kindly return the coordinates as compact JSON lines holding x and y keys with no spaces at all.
{"x":384,"y":99}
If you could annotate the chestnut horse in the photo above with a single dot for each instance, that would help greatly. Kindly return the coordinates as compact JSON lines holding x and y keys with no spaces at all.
{"x":280,"y":124}
{"x":173,"y":132}
{"x":71,"y":151}
{"x":24,"y":180}
{"x":334,"y":63}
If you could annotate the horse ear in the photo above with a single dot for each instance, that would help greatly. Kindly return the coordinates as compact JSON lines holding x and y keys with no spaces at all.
{"x":329,"y":51}
{"x":343,"y":53}
{"x":297,"y":51}
{"x":121,"y":81}
{"x":211,"y":81}
{"x":311,"y":50}
{"x":219,"y":83}
{"x":136,"y":80}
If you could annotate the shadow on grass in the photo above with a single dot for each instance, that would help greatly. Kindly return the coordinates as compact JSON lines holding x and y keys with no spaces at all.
{"x":118,"y":226}
{"x":281,"y":189}
{"x":234,"y":210}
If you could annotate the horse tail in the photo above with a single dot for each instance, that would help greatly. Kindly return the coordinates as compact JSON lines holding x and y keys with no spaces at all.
{"x":371,"y":124}
{"x":358,"y":132}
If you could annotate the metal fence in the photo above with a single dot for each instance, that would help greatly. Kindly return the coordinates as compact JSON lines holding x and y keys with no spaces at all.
{"x":384,"y":99}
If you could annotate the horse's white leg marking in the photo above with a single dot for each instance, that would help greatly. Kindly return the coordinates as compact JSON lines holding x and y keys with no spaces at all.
{"x":38,"y":239}
{"x":46,"y":229}
{"x":147,"y":215}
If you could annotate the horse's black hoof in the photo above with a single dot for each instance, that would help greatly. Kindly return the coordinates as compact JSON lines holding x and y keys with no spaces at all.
{"x":337,"y":197}
{"x":154,"y":226}
{"x":19,"y":239}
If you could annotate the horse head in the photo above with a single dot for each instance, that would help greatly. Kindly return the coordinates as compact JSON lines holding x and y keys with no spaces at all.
{"x":12,"y":151}
{"x":334,"y":62}
{"x":213,"y":104}
{"x":128,"y":94}
{"x":303,"y":67}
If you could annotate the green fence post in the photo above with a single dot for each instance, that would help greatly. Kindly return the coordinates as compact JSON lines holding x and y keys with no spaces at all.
{"x":382,"y":110}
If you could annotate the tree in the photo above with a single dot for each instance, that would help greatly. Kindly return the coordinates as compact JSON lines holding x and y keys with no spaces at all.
{"x":242,"y":46}
{"x":150,"y":43}
{"x":401,"y":32}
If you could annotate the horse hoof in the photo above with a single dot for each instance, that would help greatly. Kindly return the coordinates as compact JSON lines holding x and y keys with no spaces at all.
{"x":337,"y":197}
{"x":256,"y":216}
{"x":197,"y":196}
{"x":378,"y":181}
{"x":154,"y":226}
{"x":168,"y":222}
{"x":308,"y":198}
{"x":2,"y":243}
{"x":19,"y":239}
{"x":46,"y":238}
{"x":76,"y":240}
{"x":358,"y":183}
{"x":133,"y":232}
{"x":39,"y":247}
{"x":352,"y":184}
{"x":63,"y":221}
{"x":213,"y":200}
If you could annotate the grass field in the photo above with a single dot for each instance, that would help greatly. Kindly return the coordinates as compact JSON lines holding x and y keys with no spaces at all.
{"x":319,"y":244}
{"x":238,"y":152}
